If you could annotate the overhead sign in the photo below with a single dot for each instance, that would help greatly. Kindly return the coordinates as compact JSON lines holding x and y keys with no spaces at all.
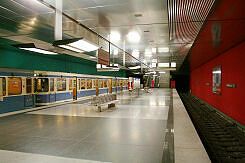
{"x":103,"y":57}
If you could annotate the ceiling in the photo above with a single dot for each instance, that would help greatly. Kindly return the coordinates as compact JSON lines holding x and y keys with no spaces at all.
{"x":160,"y":23}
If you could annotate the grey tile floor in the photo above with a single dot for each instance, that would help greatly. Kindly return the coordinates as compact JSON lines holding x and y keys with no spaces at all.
{"x":132,"y":132}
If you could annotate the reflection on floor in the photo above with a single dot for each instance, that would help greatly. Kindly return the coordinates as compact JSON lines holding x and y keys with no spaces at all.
{"x":132,"y":132}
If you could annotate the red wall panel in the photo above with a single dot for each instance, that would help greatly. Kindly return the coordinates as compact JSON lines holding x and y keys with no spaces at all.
{"x":232,"y":100}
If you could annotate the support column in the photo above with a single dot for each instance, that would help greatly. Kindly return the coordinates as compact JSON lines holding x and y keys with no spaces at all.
{"x":124,"y":54}
{"x":58,"y":20}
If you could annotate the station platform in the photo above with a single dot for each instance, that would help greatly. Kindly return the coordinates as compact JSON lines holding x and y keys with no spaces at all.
{"x":138,"y":129}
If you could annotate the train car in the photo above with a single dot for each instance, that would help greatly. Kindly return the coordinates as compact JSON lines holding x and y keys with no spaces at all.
{"x":22,"y":90}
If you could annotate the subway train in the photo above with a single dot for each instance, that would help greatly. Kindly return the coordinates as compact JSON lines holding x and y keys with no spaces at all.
{"x":22,"y":90}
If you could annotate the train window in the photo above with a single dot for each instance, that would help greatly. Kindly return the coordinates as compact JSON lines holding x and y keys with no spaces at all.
{"x":89,"y":84}
{"x":100,"y":83}
{"x":70,"y":84}
{"x":51,"y":84}
{"x":41,"y":85}
{"x":3,"y":85}
{"x":83,"y":83}
{"x":105,"y":83}
{"x":113,"y":83}
{"x":79,"y":84}
{"x":95,"y":83}
{"x":14,"y":86}
{"x":28,"y":85}
{"x":61,"y":84}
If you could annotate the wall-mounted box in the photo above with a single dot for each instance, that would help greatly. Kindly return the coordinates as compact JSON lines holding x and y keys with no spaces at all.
{"x":231,"y":85}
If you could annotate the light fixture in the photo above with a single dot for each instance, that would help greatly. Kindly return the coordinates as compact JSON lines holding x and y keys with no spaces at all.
{"x":136,"y":53}
{"x":153,"y":72}
{"x":115,"y":52}
{"x":98,"y":65}
{"x":115,"y":36}
{"x":173,"y":64}
{"x":31,"y":47}
{"x":148,"y":53}
{"x":133,"y":37}
{"x":154,"y":60}
{"x":77,"y":45}
{"x":104,"y":66}
{"x":92,"y":57}
{"x":162,"y":72}
{"x":163,"y":50}
{"x":133,"y":68}
{"x":153,"y":65}
{"x":163,"y":64}
{"x":154,"y":50}
{"x":217,"y":72}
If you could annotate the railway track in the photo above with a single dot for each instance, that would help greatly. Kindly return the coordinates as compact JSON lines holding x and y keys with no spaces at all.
{"x":223,"y":139}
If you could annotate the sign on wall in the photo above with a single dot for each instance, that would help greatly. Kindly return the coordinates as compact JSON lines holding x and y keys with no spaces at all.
{"x":217,"y":80}
{"x":103,"y":57}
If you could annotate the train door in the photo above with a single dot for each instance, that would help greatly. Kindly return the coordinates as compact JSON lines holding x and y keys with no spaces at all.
{"x":97,"y":87}
{"x":74,"y":88}
{"x":121,"y":85}
{"x":110,"y":85}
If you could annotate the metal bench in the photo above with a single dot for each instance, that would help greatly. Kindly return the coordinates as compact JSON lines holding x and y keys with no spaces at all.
{"x":108,"y":100}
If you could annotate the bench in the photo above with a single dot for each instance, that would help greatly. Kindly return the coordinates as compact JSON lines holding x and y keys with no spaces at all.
{"x":108,"y":100}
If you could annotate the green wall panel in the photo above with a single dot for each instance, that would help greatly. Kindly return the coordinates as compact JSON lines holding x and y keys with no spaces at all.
{"x":11,"y":57}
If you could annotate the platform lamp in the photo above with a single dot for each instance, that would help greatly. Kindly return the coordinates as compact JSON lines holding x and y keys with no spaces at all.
{"x":31,"y":47}
{"x":78,"y":45}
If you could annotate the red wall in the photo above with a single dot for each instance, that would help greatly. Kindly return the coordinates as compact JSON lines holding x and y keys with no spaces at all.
{"x":232,"y":100}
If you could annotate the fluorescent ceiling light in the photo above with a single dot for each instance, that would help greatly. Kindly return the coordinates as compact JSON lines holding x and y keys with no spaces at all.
{"x":162,"y":72}
{"x":217,"y":72}
{"x":136,"y":53}
{"x":173,"y":64}
{"x":71,"y":48}
{"x":92,"y":57}
{"x":154,"y":50}
{"x":133,"y":37}
{"x":98,"y":65}
{"x":154,"y":61}
{"x":133,"y":68}
{"x":31,"y":47}
{"x":77,"y":45}
{"x":163,"y":64}
{"x":104,"y":66}
{"x":115,"y":36}
{"x":153,"y":72}
{"x":163,"y":50}
{"x":153,"y":65}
